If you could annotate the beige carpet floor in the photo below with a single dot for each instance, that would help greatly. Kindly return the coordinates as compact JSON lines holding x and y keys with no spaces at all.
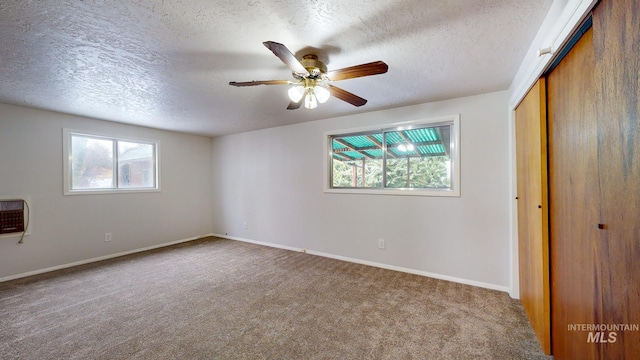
{"x":223,"y":299}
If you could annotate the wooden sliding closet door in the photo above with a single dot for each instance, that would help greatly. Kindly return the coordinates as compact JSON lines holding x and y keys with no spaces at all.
{"x":573,"y":205}
{"x":616,"y":39}
{"x":594,"y":188}
{"x":533,"y":239}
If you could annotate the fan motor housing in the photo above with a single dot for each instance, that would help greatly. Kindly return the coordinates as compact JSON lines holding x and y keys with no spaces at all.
{"x":315,"y":67}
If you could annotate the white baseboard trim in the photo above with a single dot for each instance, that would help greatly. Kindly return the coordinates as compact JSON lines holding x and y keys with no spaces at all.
{"x":100,"y":258}
{"x":374,"y":264}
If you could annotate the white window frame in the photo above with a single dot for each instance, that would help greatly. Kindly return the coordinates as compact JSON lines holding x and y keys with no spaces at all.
{"x":67,"y":156}
{"x":454,"y":191}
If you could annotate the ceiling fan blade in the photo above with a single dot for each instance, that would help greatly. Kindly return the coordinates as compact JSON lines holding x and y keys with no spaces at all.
{"x":260,"y":82}
{"x":344,"y":95}
{"x":372,"y":68}
{"x":287,"y":57}
{"x":295,"y":105}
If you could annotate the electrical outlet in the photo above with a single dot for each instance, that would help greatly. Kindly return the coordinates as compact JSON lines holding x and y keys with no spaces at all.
{"x":381,"y":244}
{"x":245,"y":225}
{"x":107,"y":236}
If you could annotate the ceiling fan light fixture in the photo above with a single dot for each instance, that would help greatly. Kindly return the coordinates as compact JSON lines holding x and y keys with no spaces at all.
{"x":312,"y":78}
{"x":321,"y":93}
{"x":310,"y":101}
{"x":296,"y":93}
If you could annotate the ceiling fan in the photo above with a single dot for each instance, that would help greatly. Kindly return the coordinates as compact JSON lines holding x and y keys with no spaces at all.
{"x":312,"y":83}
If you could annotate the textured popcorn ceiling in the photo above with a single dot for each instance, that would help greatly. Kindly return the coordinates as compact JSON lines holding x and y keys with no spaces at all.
{"x":167,"y":64}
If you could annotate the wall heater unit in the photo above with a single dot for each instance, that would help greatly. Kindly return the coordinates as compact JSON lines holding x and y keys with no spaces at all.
{"x":11,"y":216}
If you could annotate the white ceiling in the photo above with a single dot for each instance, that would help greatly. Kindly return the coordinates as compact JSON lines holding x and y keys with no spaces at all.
{"x":167,"y":64}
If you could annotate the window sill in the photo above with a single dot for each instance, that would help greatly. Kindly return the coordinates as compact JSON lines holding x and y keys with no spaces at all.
{"x":397,"y":192}
{"x":109,"y":191}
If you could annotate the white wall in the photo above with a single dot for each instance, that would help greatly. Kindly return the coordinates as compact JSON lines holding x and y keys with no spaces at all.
{"x":70,"y":229}
{"x":273,"y":180}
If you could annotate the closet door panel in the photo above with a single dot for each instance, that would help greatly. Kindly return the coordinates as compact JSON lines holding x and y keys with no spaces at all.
{"x":533,"y":238}
{"x":573,"y":200}
{"x":617,"y":46}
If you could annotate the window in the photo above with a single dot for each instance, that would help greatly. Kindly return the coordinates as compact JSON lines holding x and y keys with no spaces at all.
{"x":99,"y":164}
{"x":413,"y":158}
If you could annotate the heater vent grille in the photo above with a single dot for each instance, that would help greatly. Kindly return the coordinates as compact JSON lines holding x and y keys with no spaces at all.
{"x":11,"y":216}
